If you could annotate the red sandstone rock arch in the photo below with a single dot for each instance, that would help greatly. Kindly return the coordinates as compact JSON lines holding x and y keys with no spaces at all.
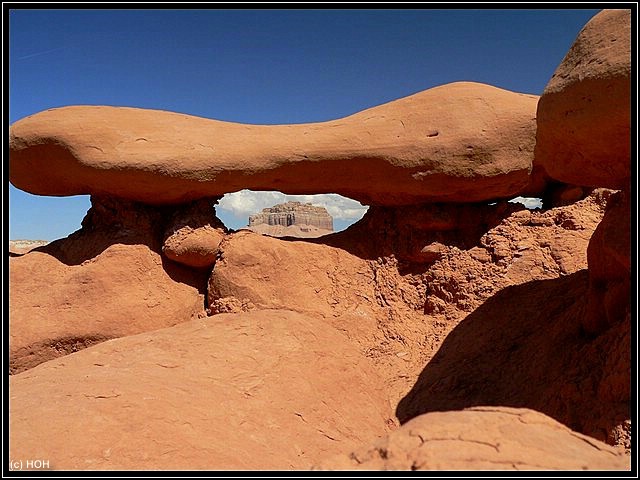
{"x":461,"y":142}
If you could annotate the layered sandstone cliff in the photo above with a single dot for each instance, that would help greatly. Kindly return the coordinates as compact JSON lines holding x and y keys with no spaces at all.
{"x":294,"y":219}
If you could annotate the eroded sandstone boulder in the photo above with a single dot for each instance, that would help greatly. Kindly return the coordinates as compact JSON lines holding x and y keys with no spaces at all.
{"x":461,"y":142}
{"x":584,"y":113}
{"x":268,"y":273}
{"x":262,"y":390}
{"x":399,"y":313}
{"x":106,"y":280}
{"x":482,"y":438}
{"x":193,"y":234}
{"x":584,"y":120}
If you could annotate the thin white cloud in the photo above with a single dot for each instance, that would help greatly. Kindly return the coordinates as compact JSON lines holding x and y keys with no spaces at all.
{"x":37,"y":54}
{"x":247,"y":202}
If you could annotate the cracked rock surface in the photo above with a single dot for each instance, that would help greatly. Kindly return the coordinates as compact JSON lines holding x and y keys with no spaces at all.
{"x":482,"y":438}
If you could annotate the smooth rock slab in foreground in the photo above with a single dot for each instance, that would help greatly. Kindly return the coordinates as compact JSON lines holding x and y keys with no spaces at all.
{"x":260,"y":390}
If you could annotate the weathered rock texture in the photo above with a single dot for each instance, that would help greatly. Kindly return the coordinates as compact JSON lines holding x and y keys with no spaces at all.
{"x":104,"y":281}
{"x":482,"y":438}
{"x":507,"y":318}
{"x":609,"y":256}
{"x":408,"y":233}
{"x":584,"y":123}
{"x":584,"y":113}
{"x":527,"y":245}
{"x":293,"y":213}
{"x":523,"y":346}
{"x":193,"y":234}
{"x":461,"y":142}
{"x":262,"y":390}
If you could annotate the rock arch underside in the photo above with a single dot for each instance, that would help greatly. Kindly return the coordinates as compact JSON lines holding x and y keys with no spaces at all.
{"x":447,"y":329}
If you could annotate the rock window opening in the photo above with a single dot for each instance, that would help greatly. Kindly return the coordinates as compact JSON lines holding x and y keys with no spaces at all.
{"x":277,"y":214}
{"x":530,"y":203}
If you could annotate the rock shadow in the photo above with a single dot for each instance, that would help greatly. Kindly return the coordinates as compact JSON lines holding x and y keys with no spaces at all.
{"x":404,"y":231}
{"x":112,"y":221}
{"x":524,"y":347}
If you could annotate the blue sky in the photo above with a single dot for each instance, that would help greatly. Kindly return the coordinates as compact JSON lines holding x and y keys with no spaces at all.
{"x":261,"y":66}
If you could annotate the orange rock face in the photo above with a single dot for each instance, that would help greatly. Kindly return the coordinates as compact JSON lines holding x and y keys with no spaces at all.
{"x":193,"y":235}
{"x":584,"y":113}
{"x":460,"y":142}
{"x":507,"y":245}
{"x":261,"y":390}
{"x":609,"y":257}
{"x":107,"y":280}
{"x":482,"y":438}
{"x":525,"y":347}
{"x":584,"y":120}
{"x":495,"y":320}
{"x":444,"y":336}
{"x":476,"y":326}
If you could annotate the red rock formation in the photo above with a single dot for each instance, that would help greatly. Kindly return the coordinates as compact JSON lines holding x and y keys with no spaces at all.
{"x":528,"y":245}
{"x":524,"y":347}
{"x":454,"y":304}
{"x":405,"y":232}
{"x":461,"y":142}
{"x":482,"y":438}
{"x":193,"y":234}
{"x":609,"y":257}
{"x":298,"y":276}
{"x":262,"y":390}
{"x":584,"y":138}
{"x":404,"y":317}
{"x":379,"y":306}
{"x":584,"y":113}
{"x":104,"y":281}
